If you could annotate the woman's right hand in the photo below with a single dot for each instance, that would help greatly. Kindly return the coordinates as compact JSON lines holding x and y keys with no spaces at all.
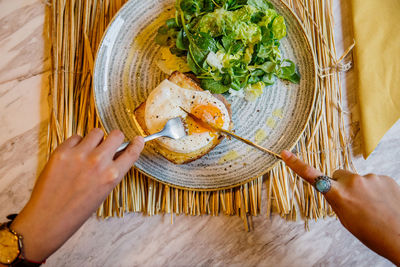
{"x":368,"y":206}
{"x":78,"y":177}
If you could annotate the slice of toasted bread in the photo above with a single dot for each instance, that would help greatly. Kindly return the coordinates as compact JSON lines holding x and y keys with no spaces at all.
{"x":180,"y":158}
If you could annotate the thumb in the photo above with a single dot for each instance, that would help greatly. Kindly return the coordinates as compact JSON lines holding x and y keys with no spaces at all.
{"x":128,"y":157}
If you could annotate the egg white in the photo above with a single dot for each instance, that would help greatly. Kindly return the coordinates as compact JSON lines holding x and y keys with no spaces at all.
{"x":164,"y":103}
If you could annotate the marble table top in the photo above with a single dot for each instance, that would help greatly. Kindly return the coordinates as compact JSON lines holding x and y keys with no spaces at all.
{"x":153,"y":241}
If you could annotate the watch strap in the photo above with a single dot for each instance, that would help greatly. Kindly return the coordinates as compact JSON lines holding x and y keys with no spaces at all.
{"x":19,"y":262}
{"x":11,"y":217}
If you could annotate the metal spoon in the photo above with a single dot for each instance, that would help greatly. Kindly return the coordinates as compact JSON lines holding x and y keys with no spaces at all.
{"x":174,"y":128}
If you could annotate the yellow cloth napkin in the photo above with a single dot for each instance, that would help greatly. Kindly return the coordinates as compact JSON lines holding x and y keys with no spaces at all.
{"x":376,"y":27}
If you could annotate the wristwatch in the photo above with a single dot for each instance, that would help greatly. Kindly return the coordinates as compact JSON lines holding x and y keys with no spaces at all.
{"x":11,"y":247}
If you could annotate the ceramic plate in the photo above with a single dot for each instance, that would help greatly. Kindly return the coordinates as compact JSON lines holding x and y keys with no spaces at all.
{"x":126,"y":72}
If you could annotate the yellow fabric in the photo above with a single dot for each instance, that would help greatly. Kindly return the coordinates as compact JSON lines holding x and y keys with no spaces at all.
{"x":376,"y":27}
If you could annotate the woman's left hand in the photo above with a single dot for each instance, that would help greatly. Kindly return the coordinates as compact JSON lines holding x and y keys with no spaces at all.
{"x":368,"y":206}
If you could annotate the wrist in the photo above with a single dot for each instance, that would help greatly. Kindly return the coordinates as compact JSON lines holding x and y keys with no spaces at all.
{"x":42,"y":235}
{"x":396,"y":259}
{"x":34,"y":247}
{"x":12,"y":246}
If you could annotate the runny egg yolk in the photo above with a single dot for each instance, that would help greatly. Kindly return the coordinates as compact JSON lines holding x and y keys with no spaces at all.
{"x":208,"y":113}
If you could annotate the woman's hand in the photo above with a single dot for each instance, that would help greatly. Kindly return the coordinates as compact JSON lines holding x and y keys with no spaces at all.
{"x":76,"y":180}
{"x":368,"y":206}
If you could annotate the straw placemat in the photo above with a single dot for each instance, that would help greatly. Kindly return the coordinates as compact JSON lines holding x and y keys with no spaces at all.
{"x":76,"y":28}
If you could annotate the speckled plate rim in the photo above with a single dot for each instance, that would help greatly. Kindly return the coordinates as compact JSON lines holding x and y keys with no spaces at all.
{"x":247,"y":180}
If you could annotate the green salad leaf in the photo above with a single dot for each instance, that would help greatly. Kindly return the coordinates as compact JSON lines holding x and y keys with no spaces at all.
{"x":262,"y":5}
{"x":229,"y":44}
{"x":278,"y":27}
{"x":215,"y":87}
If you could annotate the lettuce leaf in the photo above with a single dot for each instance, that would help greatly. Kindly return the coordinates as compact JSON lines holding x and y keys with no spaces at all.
{"x":269,"y":15}
{"x":279,"y":27}
{"x":287,"y":71}
{"x":247,"y":33}
{"x":231,"y":45}
{"x":262,"y":5}
{"x":215,"y":87}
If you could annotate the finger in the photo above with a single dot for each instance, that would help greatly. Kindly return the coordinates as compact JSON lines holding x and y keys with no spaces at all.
{"x":125,"y":161}
{"x":372,"y":176}
{"x":307,"y":172}
{"x":341,"y":175}
{"x":70,"y":142}
{"x":91,"y":140}
{"x":108,"y":147}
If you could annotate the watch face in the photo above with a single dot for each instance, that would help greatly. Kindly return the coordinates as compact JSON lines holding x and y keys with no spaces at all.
{"x":9,"y":249}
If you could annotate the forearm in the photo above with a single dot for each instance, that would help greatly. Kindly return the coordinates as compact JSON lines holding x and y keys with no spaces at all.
{"x":43,"y":235}
{"x":76,"y":180}
{"x":386,"y":245}
{"x":37,"y":245}
{"x":392,"y":250}
{"x":368,"y":206}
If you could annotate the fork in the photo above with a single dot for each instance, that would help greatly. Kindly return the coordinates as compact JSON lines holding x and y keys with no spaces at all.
{"x":174,"y":128}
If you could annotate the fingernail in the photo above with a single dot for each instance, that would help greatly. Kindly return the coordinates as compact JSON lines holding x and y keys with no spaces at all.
{"x":285,"y":154}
